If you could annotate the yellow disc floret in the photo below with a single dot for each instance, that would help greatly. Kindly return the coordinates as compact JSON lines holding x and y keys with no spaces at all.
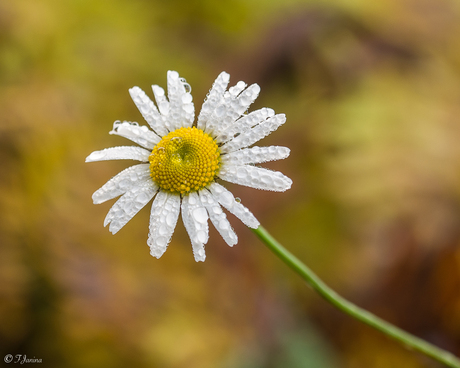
{"x":184,"y":161}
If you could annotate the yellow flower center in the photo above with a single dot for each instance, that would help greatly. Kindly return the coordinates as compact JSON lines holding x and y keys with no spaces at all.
{"x":185,"y":160}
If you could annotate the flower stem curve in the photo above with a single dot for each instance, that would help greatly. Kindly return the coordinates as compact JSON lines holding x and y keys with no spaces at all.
{"x":408,"y":340}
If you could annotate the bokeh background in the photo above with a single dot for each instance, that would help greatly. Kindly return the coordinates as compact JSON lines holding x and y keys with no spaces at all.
{"x":371,"y":90}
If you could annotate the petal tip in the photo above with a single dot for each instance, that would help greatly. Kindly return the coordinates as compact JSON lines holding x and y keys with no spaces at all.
{"x":172,"y":74}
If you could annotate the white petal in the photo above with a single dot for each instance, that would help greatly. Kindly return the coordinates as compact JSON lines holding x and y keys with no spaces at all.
{"x":218,"y":217}
{"x":195,"y":220}
{"x":148,"y":110}
{"x":237,"y":88}
{"x":129,"y":204}
{"x":138,"y":134}
{"x":255,"y":177}
{"x":181,"y":108}
{"x":245,"y":123}
{"x":226,"y":199}
{"x":232,"y":108}
{"x":255,"y":155}
{"x":162,"y":102}
{"x":254,"y":134}
{"x":120,"y":153}
{"x":122,"y":182}
{"x":213,"y":99}
{"x":163,"y":220}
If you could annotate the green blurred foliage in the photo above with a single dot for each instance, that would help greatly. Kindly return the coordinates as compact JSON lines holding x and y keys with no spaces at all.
{"x":372,"y":95}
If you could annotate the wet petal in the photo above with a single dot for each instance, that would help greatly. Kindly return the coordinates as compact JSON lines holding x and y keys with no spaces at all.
{"x":163,"y":220}
{"x":231,"y":108}
{"x":138,"y":134}
{"x":245,"y":123}
{"x":213,"y":98}
{"x":181,"y":108}
{"x":120,"y":153}
{"x":218,"y":217}
{"x":122,"y":182}
{"x":195,"y":218}
{"x":226,"y":199}
{"x":255,"y":155}
{"x":254,"y":134}
{"x":162,"y":102}
{"x":148,"y":110}
{"x":255,"y":177}
{"x":129,"y":204}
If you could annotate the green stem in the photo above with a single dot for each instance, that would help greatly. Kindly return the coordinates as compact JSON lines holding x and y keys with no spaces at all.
{"x":351,"y":309}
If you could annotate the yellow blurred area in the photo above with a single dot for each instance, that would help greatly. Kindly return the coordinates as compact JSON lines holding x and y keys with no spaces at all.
{"x":371,"y":91}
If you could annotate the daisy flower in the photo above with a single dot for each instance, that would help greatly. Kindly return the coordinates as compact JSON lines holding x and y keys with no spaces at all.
{"x":181,"y":161}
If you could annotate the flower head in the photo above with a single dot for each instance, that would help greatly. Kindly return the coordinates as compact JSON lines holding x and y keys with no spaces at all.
{"x":182,"y":161}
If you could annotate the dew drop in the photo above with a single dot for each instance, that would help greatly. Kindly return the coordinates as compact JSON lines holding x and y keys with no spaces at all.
{"x":241,"y":173}
{"x":191,"y":200}
{"x":238,"y":200}
{"x":217,"y":210}
{"x":187,"y":98}
{"x":220,"y":110}
{"x":201,"y":236}
{"x":218,"y":189}
{"x":187,"y":87}
{"x":124,"y":184}
{"x":142,"y":198}
{"x":162,"y":230}
{"x":226,"y":199}
{"x":223,"y":225}
{"x":170,"y":219}
{"x":188,"y":108}
{"x":158,"y":91}
{"x":245,"y":100}
{"x":164,"y":107}
{"x":97,"y":155}
{"x":200,"y":215}
{"x":241,"y":85}
{"x":161,"y":241}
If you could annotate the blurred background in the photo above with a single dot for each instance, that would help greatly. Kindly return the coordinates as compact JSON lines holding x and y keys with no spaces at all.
{"x":371,"y":90}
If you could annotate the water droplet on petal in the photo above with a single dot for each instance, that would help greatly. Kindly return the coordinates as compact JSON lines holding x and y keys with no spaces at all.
{"x":187,"y":98}
{"x":241,"y":172}
{"x":163,"y":230}
{"x":220,"y":110}
{"x":191,"y":200}
{"x":161,"y":241}
{"x":96,"y":155}
{"x":187,"y":87}
{"x":170,"y":219}
{"x":226,"y":199}
{"x":201,"y":236}
{"x":164,"y":107}
{"x":188,"y":108}
{"x":200,"y":215}
{"x":223,"y":224}
{"x":116,"y":124}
